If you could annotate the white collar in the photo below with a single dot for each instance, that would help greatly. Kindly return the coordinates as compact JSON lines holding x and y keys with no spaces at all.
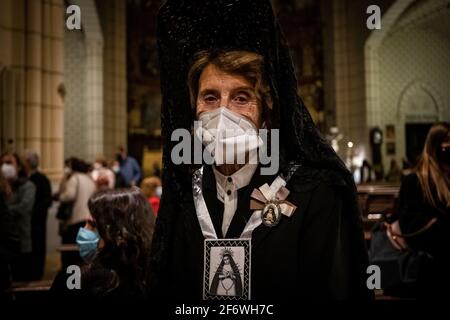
{"x":237,"y":180}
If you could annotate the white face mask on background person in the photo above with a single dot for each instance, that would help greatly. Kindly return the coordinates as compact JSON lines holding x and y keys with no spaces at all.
{"x":115,"y":168}
{"x":158,"y":191}
{"x":229,"y":137}
{"x":9,"y":171}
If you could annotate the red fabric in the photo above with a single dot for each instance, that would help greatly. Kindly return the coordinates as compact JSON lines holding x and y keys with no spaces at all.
{"x":154,"y":202}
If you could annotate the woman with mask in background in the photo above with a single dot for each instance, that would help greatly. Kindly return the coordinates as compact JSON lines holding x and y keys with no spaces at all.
{"x":118,"y":176}
{"x":20,"y":204}
{"x":115,"y":246}
{"x":425,"y":204}
{"x":151,"y":187}
{"x":76,"y":188}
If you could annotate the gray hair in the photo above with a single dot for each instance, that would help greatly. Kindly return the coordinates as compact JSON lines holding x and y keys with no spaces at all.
{"x":32,"y":158}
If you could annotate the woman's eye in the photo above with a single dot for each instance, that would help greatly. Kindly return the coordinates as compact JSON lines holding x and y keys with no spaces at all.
{"x":210,"y":99}
{"x":241,"y":99}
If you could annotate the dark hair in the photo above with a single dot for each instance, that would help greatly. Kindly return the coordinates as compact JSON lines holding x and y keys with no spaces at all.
{"x":102,"y":161}
{"x":5,"y":188}
{"x":125,"y":224}
{"x":78,"y":165}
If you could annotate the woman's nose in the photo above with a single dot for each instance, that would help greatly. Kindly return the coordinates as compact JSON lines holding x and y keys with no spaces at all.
{"x":225,"y":101}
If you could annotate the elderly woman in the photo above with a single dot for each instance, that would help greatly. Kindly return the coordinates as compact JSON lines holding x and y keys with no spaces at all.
{"x":239,"y":79}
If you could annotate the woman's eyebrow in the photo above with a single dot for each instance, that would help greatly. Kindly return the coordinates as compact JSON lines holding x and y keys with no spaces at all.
{"x":244,"y":88}
{"x":208,"y":91}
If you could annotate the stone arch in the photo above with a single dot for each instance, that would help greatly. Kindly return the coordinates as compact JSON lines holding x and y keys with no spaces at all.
{"x":371,"y":48}
{"x":418,"y":101}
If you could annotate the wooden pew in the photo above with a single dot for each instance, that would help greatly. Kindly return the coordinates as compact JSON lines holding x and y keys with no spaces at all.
{"x":376,"y":200}
{"x":30,"y":290}
{"x":68,"y":248}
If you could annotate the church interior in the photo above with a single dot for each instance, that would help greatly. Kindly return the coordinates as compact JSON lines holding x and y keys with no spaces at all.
{"x":373,"y":91}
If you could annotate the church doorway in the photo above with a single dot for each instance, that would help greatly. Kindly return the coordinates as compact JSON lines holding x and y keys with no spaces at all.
{"x":416,"y":133}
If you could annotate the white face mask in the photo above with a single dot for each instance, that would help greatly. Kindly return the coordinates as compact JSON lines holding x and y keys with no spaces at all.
{"x":229,"y":136}
{"x":9,"y":171}
{"x":116,"y":169}
{"x":158,"y":191}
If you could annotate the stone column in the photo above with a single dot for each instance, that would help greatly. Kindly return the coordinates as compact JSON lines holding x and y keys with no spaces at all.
{"x":31,"y":51}
{"x":33,"y":74}
{"x":53,"y":144}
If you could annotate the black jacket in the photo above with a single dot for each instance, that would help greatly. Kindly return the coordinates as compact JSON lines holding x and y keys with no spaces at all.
{"x":9,"y":239}
{"x":43,"y":200}
{"x":317,"y":253}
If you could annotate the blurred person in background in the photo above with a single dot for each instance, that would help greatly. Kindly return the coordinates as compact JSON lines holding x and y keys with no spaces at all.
{"x":43,"y":201}
{"x":119,"y":178}
{"x":76,"y":188}
{"x":20,"y":204}
{"x":9,"y":241}
{"x":115,"y":246}
{"x":424,"y":195}
{"x":129,"y":167}
{"x":152,"y":189}
{"x":103,"y":176}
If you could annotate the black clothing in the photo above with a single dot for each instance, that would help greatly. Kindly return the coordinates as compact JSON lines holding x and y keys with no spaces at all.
{"x":42,"y":203}
{"x":98,"y":283}
{"x":120,"y":181}
{"x":20,"y":204}
{"x":317,"y":253}
{"x":9,"y":245}
{"x":414,"y":213}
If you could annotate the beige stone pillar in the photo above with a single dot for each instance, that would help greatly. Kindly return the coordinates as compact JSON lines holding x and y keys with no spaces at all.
{"x":33,"y":71}
{"x":31,"y":53}
{"x":12,"y":61}
{"x":53,"y":125}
